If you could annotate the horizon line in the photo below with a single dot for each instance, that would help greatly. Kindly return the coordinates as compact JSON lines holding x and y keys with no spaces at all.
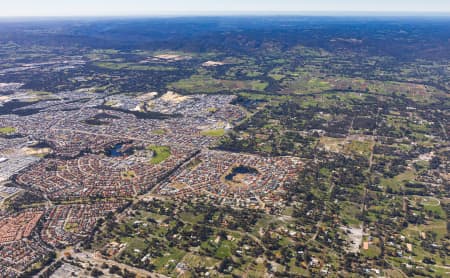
{"x":240,"y":13}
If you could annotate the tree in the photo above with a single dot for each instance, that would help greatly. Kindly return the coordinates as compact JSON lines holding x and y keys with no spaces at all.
{"x":435,"y":162}
{"x":115,"y":270}
{"x":96,"y":273}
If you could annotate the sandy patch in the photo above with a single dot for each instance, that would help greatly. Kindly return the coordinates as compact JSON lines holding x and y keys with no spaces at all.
{"x":359,"y":137}
{"x":178,"y":186}
{"x":172,"y":57}
{"x":333,"y":144}
{"x":34,"y":151}
{"x":113,"y":103}
{"x":11,"y":85}
{"x":355,"y":238}
{"x":139,"y":108}
{"x":168,"y":56}
{"x":426,"y":156}
{"x":173,"y":97}
{"x":213,"y":64}
{"x":147,"y":96}
{"x":366,"y":245}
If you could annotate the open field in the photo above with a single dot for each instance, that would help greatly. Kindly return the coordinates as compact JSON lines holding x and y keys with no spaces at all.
{"x":160,"y":153}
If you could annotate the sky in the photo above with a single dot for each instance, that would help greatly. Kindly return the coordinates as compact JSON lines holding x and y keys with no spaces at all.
{"x":14,"y":8}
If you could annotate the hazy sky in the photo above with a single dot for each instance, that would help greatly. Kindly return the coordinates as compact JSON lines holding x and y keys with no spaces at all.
{"x":151,"y":7}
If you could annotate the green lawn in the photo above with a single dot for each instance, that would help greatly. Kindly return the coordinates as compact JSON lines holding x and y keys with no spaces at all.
{"x":399,"y":181}
{"x":167,"y":263}
{"x":191,"y":218}
{"x":131,"y":66}
{"x":161,"y":153}
{"x":207,"y":84}
{"x":214,"y":132}
{"x":363,"y":148}
{"x":309,"y":85}
{"x":224,"y":250}
{"x":372,"y":252}
{"x":7,"y":130}
{"x":277,"y":76}
{"x":194,"y":260}
{"x":350,"y":213}
{"x":159,"y":131}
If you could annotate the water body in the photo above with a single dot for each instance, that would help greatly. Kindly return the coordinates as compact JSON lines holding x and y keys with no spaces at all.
{"x":115,"y":151}
{"x":240,"y":170}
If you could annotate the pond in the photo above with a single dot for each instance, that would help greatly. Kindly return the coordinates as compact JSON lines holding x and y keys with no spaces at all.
{"x":117,"y":151}
{"x":240,"y":170}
